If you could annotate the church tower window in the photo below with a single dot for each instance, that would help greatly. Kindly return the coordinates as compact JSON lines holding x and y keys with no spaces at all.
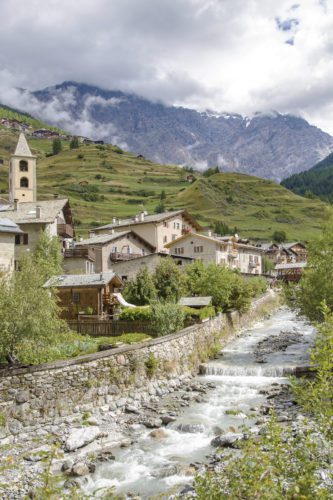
{"x":23,"y":166}
{"x":24,"y":182}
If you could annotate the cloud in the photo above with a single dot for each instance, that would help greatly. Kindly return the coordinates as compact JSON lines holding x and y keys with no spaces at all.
{"x":229,"y":55}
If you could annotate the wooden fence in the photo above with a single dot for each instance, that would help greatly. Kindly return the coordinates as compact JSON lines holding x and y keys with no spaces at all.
{"x":110,"y":328}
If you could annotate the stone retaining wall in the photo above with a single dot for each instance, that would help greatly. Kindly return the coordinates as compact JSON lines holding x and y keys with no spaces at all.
{"x":110,"y":380}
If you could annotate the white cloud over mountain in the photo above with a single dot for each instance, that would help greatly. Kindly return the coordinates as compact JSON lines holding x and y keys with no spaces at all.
{"x":233,"y":55}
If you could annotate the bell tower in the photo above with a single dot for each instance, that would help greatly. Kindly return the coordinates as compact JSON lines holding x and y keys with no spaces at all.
{"x":22,"y":173}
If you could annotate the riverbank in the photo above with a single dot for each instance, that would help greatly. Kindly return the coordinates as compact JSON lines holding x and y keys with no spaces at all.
{"x":101,"y":428}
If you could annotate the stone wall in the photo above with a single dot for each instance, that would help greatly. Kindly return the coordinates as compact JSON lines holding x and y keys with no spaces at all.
{"x":109,"y":380}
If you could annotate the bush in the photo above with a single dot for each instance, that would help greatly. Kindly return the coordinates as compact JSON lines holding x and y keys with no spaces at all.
{"x":168,"y":280}
{"x":141,"y":289}
{"x":241,"y":294}
{"x":258,"y":286}
{"x":135,"y":314}
{"x":166,"y":318}
{"x":198,"y":314}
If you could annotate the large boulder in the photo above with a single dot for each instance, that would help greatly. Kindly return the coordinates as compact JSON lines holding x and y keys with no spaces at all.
{"x":228,"y":440}
{"x":81,"y":437}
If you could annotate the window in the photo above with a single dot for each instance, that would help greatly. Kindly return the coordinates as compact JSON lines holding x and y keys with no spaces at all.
{"x":143,"y":251}
{"x":76,"y":297}
{"x":23,"y":166}
{"x":174,"y":237}
{"x":114,"y":250}
{"x":176,"y":225}
{"x":198,"y":249}
{"x":17,"y":239}
{"x":165,"y":239}
{"x":24,"y":182}
{"x":25,"y":239}
{"x":179,"y":250}
{"x":165,"y":224}
{"x":124,"y":278}
{"x":21,"y":239}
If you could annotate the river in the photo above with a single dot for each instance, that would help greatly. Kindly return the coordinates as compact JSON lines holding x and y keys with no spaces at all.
{"x":261,"y":356}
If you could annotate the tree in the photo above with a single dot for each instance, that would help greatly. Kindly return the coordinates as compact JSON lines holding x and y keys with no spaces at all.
{"x":141,"y":289}
{"x":166,"y":318}
{"x":47,"y":256}
{"x":29,"y":313}
{"x":221,"y":228}
{"x":160,"y":208}
{"x":267,"y":264}
{"x":74,"y":144}
{"x":168,"y":280}
{"x":163,"y":195}
{"x":279,"y":236}
{"x":316,"y":285}
{"x":56,"y":146}
{"x":211,"y":171}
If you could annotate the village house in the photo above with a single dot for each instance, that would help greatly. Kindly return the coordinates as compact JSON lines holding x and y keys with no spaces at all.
{"x":53,"y":216}
{"x":290,"y":272}
{"x":285,"y":253}
{"x":89,"y":294}
{"x":9,"y":231}
{"x":130,"y":268}
{"x":157,"y":229}
{"x":107,"y":249}
{"x":227,"y":251}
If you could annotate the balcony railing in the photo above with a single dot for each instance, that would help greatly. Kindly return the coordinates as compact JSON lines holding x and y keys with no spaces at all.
{"x":83,"y":253}
{"x":65,"y":230}
{"x":115,"y":256}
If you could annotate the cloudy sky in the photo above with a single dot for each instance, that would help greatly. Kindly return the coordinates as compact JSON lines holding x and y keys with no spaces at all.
{"x":227,"y":55}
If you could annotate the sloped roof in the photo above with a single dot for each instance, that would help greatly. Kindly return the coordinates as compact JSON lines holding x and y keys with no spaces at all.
{"x":151,"y":218}
{"x":195,"y":301}
{"x":101,"y":239}
{"x":290,"y":245}
{"x":78,"y":280}
{"x":26,"y":212}
{"x":22,"y":147}
{"x":290,"y":265}
{"x":8,"y":226}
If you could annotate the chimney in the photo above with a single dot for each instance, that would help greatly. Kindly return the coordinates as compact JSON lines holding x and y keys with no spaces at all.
{"x":142,"y":216}
{"x":56,"y":195}
{"x":38,"y":211}
{"x":136,"y":218}
{"x":112,"y":231}
{"x":114,"y":220}
{"x":91,"y":234}
{"x":209,"y":234}
{"x":15,"y":204}
{"x":80,"y":239}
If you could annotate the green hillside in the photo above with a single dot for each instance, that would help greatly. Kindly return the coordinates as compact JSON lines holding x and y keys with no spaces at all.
{"x":103,"y":181}
{"x":318,"y":180}
{"x":13,"y":114}
{"x":257,"y":207}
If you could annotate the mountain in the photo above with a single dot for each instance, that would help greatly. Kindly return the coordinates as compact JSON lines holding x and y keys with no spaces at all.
{"x":317,"y":181}
{"x":270,"y":145}
{"x":103,"y":181}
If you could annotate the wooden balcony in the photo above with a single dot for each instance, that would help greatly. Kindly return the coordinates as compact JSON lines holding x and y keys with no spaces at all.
{"x":65,"y":230}
{"x":118,"y":257}
{"x":79,"y":253}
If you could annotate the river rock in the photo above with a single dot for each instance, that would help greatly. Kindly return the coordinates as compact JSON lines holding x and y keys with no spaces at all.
{"x":192,"y":428}
{"x":229,"y":440}
{"x":67,"y":465}
{"x":105,"y":455}
{"x":81,"y":437}
{"x":167,"y":419}
{"x":158,"y":434}
{"x":167,"y":471}
{"x":152,"y":423}
{"x":131,"y":409}
{"x":80,"y":469}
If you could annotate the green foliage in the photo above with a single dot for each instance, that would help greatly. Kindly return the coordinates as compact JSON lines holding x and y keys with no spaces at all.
{"x":56,"y":146}
{"x":267,"y":264}
{"x":166,"y":318}
{"x":280,"y":465}
{"x":211,"y":171}
{"x":257,"y":285}
{"x":117,"y":150}
{"x":201,"y":314}
{"x":28,"y":312}
{"x":3,"y":419}
{"x":222,"y":228}
{"x":74,"y":144}
{"x":135,"y":314}
{"x":316,"y":395}
{"x":316,"y":285}
{"x":163,"y":195}
{"x":141,"y":289}
{"x":241,"y":294}
{"x":316,"y":181}
{"x":47,"y":256}
{"x":279,"y":236}
{"x":160,"y":208}
{"x":151,"y":365}
{"x":168,"y":280}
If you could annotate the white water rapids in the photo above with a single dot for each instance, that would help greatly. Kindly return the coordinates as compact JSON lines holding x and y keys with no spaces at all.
{"x":239,"y":380}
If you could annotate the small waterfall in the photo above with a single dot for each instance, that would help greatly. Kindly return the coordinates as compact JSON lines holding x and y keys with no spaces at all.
{"x":243,"y":371}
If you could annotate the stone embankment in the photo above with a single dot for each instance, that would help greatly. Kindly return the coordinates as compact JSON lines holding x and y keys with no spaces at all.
{"x":111,"y":381}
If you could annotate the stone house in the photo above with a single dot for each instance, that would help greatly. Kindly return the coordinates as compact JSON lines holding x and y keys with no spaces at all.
{"x":53,"y":216}
{"x":129,"y":269}
{"x":107,"y":249}
{"x":9,"y":231}
{"x":227,"y":251}
{"x":156,"y":229}
{"x":85,"y":293}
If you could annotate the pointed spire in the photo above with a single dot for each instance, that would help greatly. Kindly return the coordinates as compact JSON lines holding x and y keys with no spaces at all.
{"x":22,"y":148}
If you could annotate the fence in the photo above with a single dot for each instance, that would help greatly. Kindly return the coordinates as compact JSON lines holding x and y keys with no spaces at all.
{"x":110,"y":328}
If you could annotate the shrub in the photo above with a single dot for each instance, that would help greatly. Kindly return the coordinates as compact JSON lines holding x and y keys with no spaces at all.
{"x":198,"y":314}
{"x":151,"y":365}
{"x":258,"y":286}
{"x":135,"y":314}
{"x":141,"y":289}
{"x":168,"y":280}
{"x":80,"y":156}
{"x":166,"y":318}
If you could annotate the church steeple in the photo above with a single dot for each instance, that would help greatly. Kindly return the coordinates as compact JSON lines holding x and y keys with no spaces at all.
{"x":22,"y":173}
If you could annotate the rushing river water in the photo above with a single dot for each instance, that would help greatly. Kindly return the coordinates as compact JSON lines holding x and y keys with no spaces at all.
{"x":239,"y":380}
